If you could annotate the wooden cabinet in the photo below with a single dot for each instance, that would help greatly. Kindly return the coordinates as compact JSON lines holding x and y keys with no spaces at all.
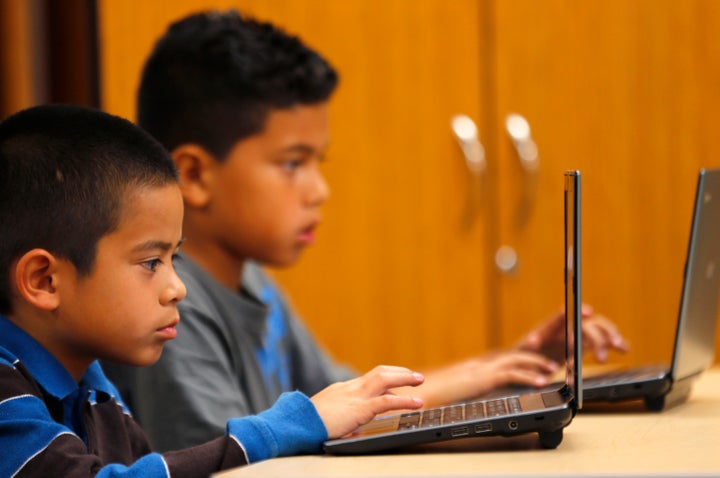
{"x":624,"y":91}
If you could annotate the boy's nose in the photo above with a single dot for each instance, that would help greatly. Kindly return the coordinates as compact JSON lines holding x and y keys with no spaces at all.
{"x":175,"y":291}
{"x":320,"y":191}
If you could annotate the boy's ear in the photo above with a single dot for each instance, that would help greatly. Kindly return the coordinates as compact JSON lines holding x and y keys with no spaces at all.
{"x":196,"y":167}
{"x":36,"y":279}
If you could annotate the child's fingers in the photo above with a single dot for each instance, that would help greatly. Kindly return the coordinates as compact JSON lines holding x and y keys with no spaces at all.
{"x":526,"y":377}
{"x":388,"y":402}
{"x":600,"y":335}
{"x":384,"y":377}
{"x":522,"y":360}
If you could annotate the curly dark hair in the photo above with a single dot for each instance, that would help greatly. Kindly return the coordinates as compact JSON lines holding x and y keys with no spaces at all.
{"x":214,"y":76}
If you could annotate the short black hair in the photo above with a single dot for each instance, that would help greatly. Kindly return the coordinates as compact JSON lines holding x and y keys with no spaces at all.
{"x":64,"y":174}
{"x":213,"y":77}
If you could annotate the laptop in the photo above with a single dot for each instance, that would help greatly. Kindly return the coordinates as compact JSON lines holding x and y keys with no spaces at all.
{"x":546,"y":413}
{"x":662,"y":386}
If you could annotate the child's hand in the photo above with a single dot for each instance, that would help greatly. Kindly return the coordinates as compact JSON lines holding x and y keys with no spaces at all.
{"x":344,"y":406}
{"x":476,"y":376}
{"x":599,"y":336}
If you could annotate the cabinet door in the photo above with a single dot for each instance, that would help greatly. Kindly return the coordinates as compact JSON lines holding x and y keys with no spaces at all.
{"x":627,"y":92}
{"x":398,"y":274}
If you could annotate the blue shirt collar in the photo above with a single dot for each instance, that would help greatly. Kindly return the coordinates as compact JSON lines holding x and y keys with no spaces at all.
{"x":52,"y":376}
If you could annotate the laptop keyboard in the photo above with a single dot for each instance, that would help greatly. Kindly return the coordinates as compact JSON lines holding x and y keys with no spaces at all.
{"x":457,"y":413}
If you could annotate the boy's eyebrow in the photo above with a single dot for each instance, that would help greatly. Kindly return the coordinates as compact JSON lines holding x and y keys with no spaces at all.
{"x":300,"y":148}
{"x":154,"y":245}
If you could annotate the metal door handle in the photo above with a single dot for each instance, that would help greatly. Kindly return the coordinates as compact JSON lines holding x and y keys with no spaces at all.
{"x":466,"y":133}
{"x":519,"y":130}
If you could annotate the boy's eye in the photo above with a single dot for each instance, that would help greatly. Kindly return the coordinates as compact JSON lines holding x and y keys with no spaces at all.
{"x":292,"y":164}
{"x":152,"y":264}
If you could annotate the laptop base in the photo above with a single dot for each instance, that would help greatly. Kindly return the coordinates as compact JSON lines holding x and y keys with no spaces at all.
{"x":650,"y":387}
{"x":550,"y":433}
{"x":656,"y":394}
{"x":551,"y":440}
{"x":678,"y":394}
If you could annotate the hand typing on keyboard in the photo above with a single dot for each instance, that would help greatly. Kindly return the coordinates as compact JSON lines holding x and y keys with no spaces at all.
{"x":480,"y":375}
{"x":533,"y":362}
{"x":344,"y":406}
{"x":600,"y":335}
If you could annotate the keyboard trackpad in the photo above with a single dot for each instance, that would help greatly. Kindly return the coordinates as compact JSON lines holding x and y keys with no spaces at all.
{"x":532,"y":401}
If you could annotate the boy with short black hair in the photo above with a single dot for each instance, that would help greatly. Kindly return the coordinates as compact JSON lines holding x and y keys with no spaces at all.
{"x":91,"y":216}
{"x":243,"y":108}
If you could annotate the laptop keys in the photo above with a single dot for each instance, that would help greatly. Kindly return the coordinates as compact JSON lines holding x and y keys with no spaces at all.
{"x":432,"y":417}
{"x":514,"y":405}
{"x":409,"y":420}
{"x":474,"y":410}
{"x":457,"y":413}
{"x":453,"y":414}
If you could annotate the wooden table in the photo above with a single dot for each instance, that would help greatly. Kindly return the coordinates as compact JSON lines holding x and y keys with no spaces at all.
{"x":617,"y":440}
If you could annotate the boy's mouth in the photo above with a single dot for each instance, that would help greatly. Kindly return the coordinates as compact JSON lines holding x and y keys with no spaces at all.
{"x":307,"y":235}
{"x":169,"y":331}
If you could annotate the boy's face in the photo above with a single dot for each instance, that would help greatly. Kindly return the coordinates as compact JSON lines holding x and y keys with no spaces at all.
{"x":125,"y":310}
{"x":267,"y":197}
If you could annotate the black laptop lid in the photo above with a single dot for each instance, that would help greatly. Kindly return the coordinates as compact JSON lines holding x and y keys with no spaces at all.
{"x":573,"y":300}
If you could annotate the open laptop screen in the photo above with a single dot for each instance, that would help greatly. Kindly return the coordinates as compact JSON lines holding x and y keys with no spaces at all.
{"x":697,"y":320}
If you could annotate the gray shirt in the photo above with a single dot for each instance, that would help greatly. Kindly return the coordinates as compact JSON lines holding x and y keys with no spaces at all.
{"x":235,"y":353}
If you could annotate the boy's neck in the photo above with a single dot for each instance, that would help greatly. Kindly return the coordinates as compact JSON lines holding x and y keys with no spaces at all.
{"x":216,"y":262}
{"x":34,"y":324}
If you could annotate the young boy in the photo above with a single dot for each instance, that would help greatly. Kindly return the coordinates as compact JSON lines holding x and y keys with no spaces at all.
{"x":242,"y":106}
{"x":91,"y":216}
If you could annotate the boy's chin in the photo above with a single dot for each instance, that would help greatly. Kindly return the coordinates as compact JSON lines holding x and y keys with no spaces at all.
{"x":145,"y":360}
{"x":284,"y":261}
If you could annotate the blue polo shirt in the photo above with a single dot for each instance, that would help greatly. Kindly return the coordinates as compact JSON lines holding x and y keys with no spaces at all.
{"x":44,"y":412}
{"x":51,"y":425}
{"x":53,"y":377}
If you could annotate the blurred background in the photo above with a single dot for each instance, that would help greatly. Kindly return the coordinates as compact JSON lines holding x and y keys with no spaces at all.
{"x":424,"y":257}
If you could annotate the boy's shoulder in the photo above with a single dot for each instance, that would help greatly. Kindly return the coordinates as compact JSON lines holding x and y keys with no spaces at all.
{"x":27,"y":364}
{"x":15,"y":381}
{"x":203,"y":289}
{"x":211,"y":307}
{"x":14,"y":342}
{"x":7,"y":358}
{"x":204,"y":294}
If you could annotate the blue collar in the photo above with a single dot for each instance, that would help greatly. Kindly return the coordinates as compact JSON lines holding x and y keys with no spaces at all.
{"x":52,"y":376}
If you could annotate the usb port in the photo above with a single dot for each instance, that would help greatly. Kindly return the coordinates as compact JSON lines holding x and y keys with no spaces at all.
{"x":483,"y":428}
{"x":459,"y":432}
